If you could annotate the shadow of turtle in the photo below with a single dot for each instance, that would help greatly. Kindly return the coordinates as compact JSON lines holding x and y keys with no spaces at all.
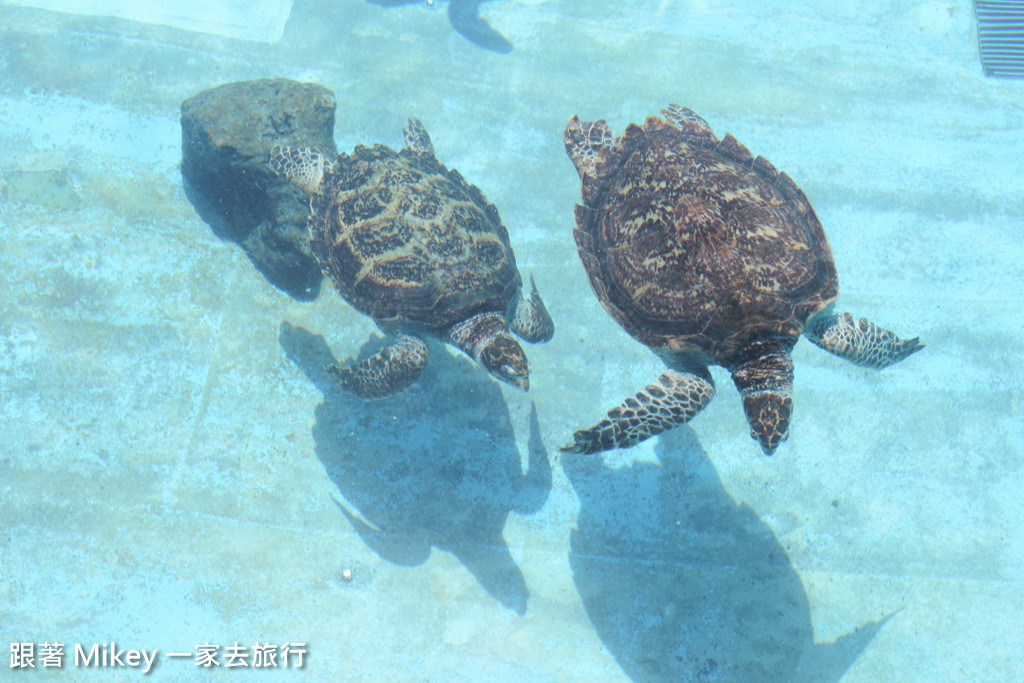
{"x":684,"y":584}
{"x":434,"y":466}
{"x":464,"y":17}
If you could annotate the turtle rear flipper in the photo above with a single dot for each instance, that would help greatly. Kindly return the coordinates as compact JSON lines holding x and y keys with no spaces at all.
{"x":416,"y":137}
{"x":392,"y":369}
{"x":530,"y":318}
{"x":584,"y":141}
{"x":862,"y":342}
{"x":304,"y":167}
{"x":690,"y":124}
{"x":674,"y":398}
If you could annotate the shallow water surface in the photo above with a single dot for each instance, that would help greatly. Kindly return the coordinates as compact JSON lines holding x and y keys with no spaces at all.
{"x":178,"y":470}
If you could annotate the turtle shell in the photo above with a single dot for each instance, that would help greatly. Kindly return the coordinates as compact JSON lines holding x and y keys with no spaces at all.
{"x":405,"y":240}
{"x":695,"y":246}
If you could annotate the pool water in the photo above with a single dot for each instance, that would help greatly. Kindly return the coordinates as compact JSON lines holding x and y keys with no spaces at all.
{"x":178,"y":474}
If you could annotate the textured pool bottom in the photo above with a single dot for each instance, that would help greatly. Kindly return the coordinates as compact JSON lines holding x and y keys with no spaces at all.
{"x":257,"y":20}
{"x":180,"y":472}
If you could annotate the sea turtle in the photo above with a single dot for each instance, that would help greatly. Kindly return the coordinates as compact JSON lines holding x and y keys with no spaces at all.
{"x":414,"y":246}
{"x":464,"y":16}
{"x":708,"y":256}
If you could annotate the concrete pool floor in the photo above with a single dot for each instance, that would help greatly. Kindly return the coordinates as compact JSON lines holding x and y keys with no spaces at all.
{"x":176,"y":469}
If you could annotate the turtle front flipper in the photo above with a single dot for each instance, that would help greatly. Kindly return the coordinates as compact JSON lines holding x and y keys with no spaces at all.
{"x":674,"y":398}
{"x":530,"y":319}
{"x":304,"y":167}
{"x":862,"y":342}
{"x":394,"y":368}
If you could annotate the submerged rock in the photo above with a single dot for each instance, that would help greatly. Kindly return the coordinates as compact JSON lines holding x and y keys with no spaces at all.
{"x":227,"y":133}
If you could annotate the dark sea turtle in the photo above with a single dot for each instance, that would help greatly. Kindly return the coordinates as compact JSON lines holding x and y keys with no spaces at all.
{"x":465,"y":18}
{"x":708,"y":256}
{"x":414,"y":246}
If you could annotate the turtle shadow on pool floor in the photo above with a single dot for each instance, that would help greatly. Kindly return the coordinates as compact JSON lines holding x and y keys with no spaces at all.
{"x":464,"y":17}
{"x":684,"y":584}
{"x":434,"y":466}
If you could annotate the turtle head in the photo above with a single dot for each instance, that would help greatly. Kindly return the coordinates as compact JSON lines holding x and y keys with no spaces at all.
{"x":504,"y":358}
{"x":486,"y":338}
{"x":768,"y":414}
{"x":763,"y":373}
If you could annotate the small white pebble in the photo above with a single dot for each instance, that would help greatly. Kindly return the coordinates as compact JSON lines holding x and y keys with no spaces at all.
{"x":346,"y":574}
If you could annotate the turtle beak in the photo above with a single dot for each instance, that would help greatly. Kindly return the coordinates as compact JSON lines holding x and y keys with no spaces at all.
{"x":504,"y":358}
{"x":516,"y":379}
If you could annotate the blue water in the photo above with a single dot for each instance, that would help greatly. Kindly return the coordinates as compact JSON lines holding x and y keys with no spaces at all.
{"x":175,"y":471}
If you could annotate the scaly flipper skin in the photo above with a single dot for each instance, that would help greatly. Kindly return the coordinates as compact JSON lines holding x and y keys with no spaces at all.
{"x":304,"y":167}
{"x":416,"y":138}
{"x":682,"y":118}
{"x":530,"y":318}
{"x":862,"y":342}
{"x":584,"y":141}
{"x":385,"y":373}
{"x":674,"y":398}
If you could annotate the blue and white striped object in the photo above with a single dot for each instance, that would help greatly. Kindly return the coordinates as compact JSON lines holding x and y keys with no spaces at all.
{"x":1001,"y":36}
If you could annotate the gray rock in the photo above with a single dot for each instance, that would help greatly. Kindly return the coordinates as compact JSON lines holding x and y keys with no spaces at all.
{"x":227,"y":133}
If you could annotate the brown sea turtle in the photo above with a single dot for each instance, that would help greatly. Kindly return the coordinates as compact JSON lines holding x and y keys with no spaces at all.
{"x":708,"y":256}
{"x":414,"y":246}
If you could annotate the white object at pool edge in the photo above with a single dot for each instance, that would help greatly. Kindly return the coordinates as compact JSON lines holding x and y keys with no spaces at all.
{"x":257,"y":20}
